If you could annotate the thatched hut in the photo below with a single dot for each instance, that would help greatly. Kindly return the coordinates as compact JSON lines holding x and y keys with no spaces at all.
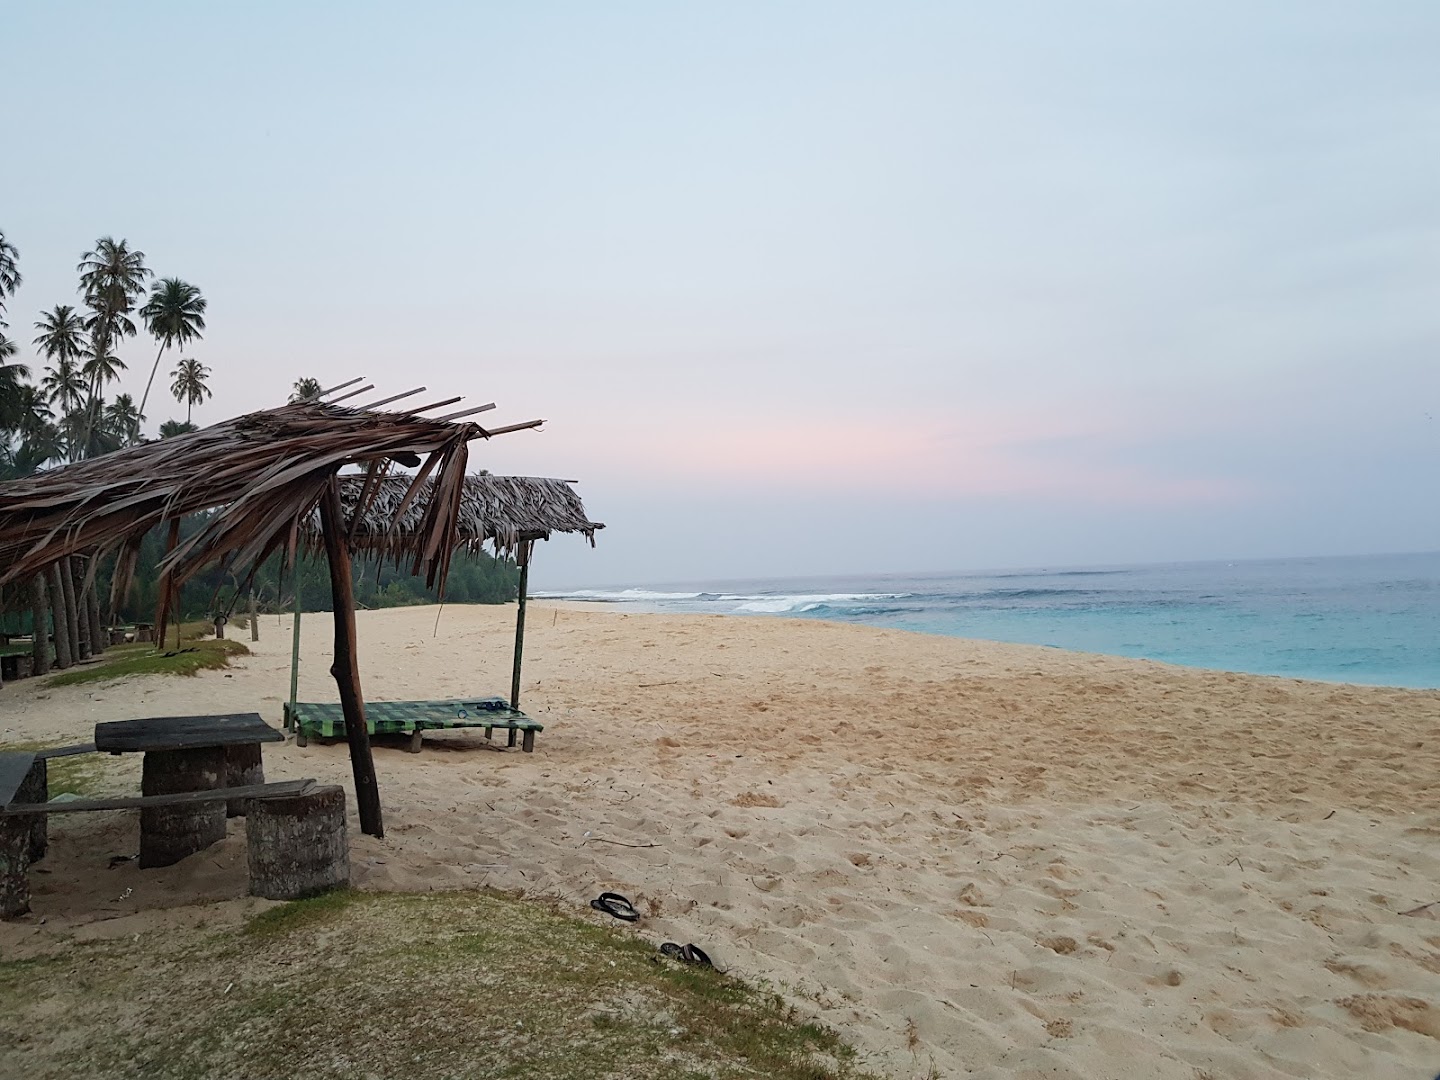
{"x":508,"y":512}
{"x":261,"y":477}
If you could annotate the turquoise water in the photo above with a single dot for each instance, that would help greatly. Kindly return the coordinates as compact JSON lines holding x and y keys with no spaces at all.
{"x":1363,"y":619}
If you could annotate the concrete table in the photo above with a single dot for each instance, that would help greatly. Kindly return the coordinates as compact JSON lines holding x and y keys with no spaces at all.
{"x":188,"y":753}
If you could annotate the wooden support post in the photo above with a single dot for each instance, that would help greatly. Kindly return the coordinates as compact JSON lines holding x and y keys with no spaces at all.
{"x":82,"y":609}
{"x":523,"y":557}
{"x":346,"y":668}
{"x":254,"y":619}
{"x":62,"y":622}
{"x":294,"y":652}
{"x":72,"y":614}
{"x":99,"y":639}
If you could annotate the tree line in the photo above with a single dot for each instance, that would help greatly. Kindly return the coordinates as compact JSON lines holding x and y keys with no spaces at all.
{"x":64,"y":416}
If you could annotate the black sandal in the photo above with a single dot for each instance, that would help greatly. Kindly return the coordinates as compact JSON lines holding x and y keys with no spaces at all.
{"x":693,"y":954}
{"x":690,"y":954}
{"x":615,"y":904}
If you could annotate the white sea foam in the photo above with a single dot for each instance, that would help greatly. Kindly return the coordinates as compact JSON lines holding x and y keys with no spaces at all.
{"x":618,"y":597}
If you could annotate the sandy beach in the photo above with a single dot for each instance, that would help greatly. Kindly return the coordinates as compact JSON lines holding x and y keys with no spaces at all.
{"x":972,"y":859}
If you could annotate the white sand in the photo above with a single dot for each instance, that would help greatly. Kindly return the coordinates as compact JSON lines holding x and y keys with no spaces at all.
{"x":999,"y":861}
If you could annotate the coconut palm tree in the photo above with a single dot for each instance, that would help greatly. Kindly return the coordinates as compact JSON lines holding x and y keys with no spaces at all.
{"x":170,"y":428}
{"x":112,"y":279}
{"x":64,"y":385}
{"x":188,"y":384}
{"x":9,"y":271}
{"x":305,"y":390}
{"x":12,"y":387}
{"x":34,"y":420}
{"x":123,"y":419}
{"x":174,"y":315}
{"x":62,"y":334}
{"x":101,"y":365}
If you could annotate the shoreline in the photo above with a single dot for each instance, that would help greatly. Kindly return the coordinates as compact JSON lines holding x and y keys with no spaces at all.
{"x":999,"y":859}
{"x":635,"y":609}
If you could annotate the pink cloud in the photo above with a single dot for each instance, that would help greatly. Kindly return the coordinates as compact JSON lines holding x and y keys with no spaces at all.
{"x":989,"y":454}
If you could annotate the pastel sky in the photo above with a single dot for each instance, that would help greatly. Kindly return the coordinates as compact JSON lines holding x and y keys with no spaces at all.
{"x":800,"y":288}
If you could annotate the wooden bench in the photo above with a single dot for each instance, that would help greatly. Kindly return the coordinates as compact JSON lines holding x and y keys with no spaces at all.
{"x":25,"y":812}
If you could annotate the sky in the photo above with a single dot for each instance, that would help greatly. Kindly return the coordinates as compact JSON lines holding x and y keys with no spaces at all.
{"x":799,"y":288}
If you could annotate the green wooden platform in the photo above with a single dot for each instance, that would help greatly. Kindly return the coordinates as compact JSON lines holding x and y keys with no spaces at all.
{"x":327,"y":721}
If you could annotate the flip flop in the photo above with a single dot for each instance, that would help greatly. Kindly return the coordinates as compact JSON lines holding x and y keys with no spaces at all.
{"x":693,"y":954}
{"x":615,"y":904}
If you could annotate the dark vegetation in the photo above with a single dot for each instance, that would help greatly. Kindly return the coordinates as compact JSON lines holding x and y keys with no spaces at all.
{"x":474,"y":579}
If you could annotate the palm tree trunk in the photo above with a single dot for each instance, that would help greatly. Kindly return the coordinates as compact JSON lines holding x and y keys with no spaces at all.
{"x":99,"y":638}
{"x":39,"y":617}
{"x":62,"y":623}
{"x":154,"y":368}
{"x":79,"y":612}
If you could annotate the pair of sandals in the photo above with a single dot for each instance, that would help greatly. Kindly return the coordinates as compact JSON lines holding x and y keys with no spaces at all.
{"x":619,"y":907}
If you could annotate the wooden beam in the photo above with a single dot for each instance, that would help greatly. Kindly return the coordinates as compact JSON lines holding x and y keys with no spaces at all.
{"x":523,"y":553}
{"x":392,"y":397}
{"x":526,"y":426}
{"x":294,"y":644}
{"x":178,"y":798}
{"x":346,"y":668}
{"x":348,"y":382}
{"x":467,"y":412}
{"x":434,"y":405}
{"x":352,"y":393}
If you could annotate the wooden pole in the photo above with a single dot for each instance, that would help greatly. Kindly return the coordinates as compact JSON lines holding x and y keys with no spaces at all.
{"x":62,"y":622}
{"x":40,"y":649}
{"x":254,"y":619}
{"x":99,"y":636}
{"x":523,"y":554}
{"x":82,"y":607}
{"x":346,"y":668}
{"x":295,"y":646}
{"x":72,"y":615}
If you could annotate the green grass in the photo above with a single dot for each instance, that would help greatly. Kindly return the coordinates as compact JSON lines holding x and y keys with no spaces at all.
{"x":120,"y":661}
{"x":83,"y":774}
{"x":424,"y":987}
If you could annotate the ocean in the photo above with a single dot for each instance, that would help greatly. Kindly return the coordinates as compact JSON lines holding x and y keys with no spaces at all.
{"x":1362,"y":619}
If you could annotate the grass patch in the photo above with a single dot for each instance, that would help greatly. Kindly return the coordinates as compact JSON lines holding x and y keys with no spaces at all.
{"x":299,"y":914}
{"x":82,"y":774}
{"x":144,"y":659}
{"x":433,"y":986}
